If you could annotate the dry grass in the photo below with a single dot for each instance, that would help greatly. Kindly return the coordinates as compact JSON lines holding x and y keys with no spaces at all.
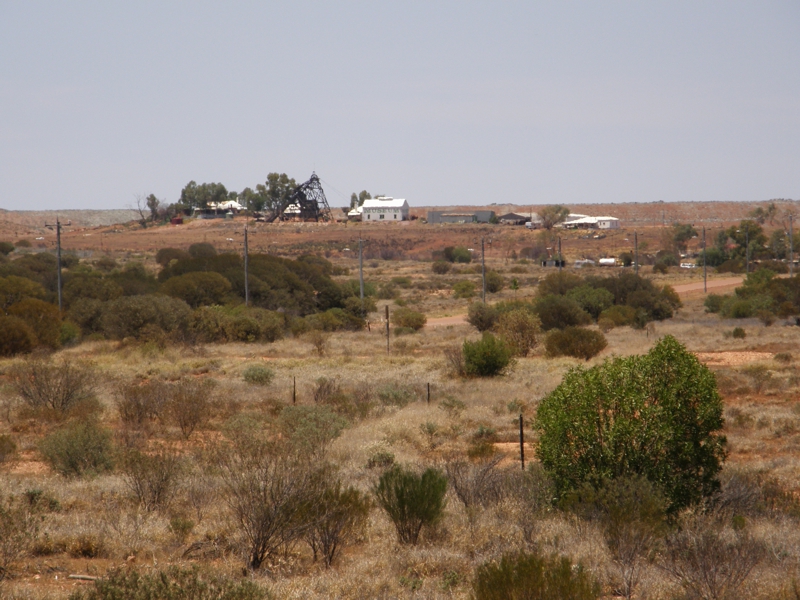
{"x":99,"y":517}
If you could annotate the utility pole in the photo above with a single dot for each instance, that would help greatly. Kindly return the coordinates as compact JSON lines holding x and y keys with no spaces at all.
{"x":387,"y":329}
{"x":705,"y":262}
{"x":361,"y":271}
{"x":636,"y":252}
{"x":483,"y":268}
{"x":560,"y":258}
{"x":747,"y":249}
{"x":58,"y":257}
{"x":791,"y":245}
{"x":246,"y":281}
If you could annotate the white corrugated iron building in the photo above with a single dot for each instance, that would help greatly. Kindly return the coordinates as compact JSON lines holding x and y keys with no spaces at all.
{"x":384,"y":209}
{"x":576,"y":221}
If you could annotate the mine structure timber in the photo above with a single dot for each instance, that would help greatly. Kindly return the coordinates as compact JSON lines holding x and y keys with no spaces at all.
{"x":306,"y":203}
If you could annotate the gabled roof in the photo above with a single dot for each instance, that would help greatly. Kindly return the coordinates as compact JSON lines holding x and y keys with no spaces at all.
{"x":384,"y":202}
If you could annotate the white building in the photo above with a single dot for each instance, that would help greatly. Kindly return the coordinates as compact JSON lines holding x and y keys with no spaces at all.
{"x":585,"y":222}
{"x":384,"y":209}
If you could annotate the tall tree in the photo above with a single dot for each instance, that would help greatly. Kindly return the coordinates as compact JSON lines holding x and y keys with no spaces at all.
{"x":276,"y":190}
{"x":153,"y":204}
{"x":200,"y":196}
{"x":681,"y":234}
{"x":553,"y":215}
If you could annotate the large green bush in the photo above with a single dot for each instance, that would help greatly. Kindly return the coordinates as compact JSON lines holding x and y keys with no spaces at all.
{"x":592,"y":300}
{"x":482,"y":316}
{"x":14,"y":288}
{"x":407,"y":318}
{"x":486,"y":357}
{"x":534,"y":577}
{"x":577,"y":342}
{"x":657,"y":415}
{"x":128,"y":316}
{"x":16,"y":336}
{"x":557,"y":312}
{"x":412,"y":501}
{"x":79,"y":449}
{"x":198,"y":289}
{"x":42,"y":317}
{"x":494,"y":282}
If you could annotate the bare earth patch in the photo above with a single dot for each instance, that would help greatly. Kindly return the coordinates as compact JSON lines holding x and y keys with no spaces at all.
{"x":732,"y":359}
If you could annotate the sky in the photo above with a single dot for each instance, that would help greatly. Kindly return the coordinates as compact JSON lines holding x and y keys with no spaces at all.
{"x":438,"y":102}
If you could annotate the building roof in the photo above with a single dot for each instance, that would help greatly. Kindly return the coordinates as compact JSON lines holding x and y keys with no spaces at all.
{"x":512,"y":217}
{"x":384,"y":202}
{"x":227,"y":205}
{"x":584,"y":220}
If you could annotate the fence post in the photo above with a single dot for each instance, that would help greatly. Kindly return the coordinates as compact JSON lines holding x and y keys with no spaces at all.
{"x":294,"y":390}
{"x":387,"y":329}
{"x":521,"y":443}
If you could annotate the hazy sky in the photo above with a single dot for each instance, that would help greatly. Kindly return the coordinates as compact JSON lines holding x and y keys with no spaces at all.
{"x":437,"y":102}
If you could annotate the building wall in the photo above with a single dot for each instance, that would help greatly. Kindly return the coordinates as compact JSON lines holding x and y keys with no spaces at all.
{"x":387,"y":214}
{"x":607,"y":224}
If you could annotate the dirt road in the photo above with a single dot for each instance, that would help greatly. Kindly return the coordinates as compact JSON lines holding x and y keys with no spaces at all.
{"x":683,"y":289}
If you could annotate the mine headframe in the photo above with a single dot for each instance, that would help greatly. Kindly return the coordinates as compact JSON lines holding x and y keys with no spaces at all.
{"x":307,"y":202}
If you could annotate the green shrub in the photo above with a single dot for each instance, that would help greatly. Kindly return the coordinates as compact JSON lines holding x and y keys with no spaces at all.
{"x":520,"y":330}
{"x":14,"y":288}
{"x":525,"y":575}
{"x":440,"y":267}
{"x":557,"y":312}
{"x":202,"y":250}
{"x":482,"y":316}
{"x":258,"y":375}
{"x":70,"y":333}
{"x":171,"y":584}
{"x":360,"y":308}
{"x":16,"y":337}
{"x":42,"y":317}
{"x":198,"y":288}
{"x":494,"y":282}
{"x":311,"y":429}
{"x":128,"y":316}
{"x":632,"y":416}
{"x":619,"y":315}
{"x":6,"y":248}
{"x":463,"y":289}
{"x":577,"y":342}
{"x":593,"y":300}
{"x":558,"y":284}
{"x":739,"y":333}
{"x":396,"y":394}
{"x":335,"y":319}
{"x":387,"y":291}
{"x":487,"y":357}
{"x":208,"y":324}
{"x":405,"y":317}
{"x":166,"y":255}
{"x":713,"y":303}
{"x":457,"y":254}
{"x":412,"y":501}
{"x":79,"y":449}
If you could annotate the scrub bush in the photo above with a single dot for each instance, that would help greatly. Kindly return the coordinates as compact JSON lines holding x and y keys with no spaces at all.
{"x":79,"y":449}
{"x":577,"y":342}
{"x":487,"y":357}
{"x":412,"y":501}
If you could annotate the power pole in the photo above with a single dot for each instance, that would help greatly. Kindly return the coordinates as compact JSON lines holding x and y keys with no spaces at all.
{"x":791,"y":245}
{"x":483,"y":268}
{"x":636,"y":252}
{"x":246,"y":281}
{"x":705,"y":261}
{"x":58,"y":257}
{"x":560,"y":258}
{"x":387,"y":329}
{"x":747,"y":249}
{"x":361,"y":271}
